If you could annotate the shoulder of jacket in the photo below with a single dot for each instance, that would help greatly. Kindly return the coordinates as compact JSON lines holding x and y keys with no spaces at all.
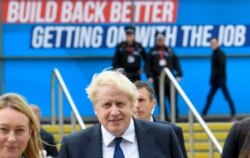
{"x":84,"y":133}
{"x":175,"y":127}
{"x":152,"y":49}
{"x":170,"y":50}
{"x":137,"y":44}
{"x":158,"y":126}
{"x":44,"y":133}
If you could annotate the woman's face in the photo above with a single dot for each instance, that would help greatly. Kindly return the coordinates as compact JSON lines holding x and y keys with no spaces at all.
{"x":14,"y":133}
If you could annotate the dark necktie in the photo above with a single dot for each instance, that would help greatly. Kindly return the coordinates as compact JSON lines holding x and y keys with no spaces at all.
{"x":118,"y":151}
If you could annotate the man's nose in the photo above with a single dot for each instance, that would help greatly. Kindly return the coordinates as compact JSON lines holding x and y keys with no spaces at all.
{"x":137,"y":104}
{"x":115,"y":110}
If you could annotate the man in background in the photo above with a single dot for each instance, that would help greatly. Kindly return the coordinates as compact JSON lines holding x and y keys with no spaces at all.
{"x":49,"y":144}
{"x":144,"y":107}
{"x":128,"y":55}
{"x":218,"y":78}
{"x":160,"y":57}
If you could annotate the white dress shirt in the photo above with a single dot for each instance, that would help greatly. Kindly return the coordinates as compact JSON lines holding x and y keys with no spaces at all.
{"x":151,"y":119}
{"x":128,"y":145}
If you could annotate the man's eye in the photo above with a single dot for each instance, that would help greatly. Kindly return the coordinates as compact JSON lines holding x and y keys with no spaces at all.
{"x":120,"y":104}
{"x":140,"y":100}
{"x":107,"y":105}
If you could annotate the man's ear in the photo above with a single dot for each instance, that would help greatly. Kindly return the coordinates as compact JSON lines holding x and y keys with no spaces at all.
{"x":94,"y":108}
{"x":153,"y":105}
{"x":154,"y":102}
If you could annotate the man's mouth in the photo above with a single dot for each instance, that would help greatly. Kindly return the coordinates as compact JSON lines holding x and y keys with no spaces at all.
{"x":115,"y":120}
{"x":139,"y":112}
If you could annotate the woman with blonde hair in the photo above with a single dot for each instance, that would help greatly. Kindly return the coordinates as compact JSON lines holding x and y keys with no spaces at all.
{"x":19,"y":128}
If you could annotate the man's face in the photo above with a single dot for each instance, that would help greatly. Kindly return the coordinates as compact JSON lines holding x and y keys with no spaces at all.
{"x":130,"y":37}
{"x":160,"y":42}
{"x":214,"y":44}
{"x":144,"y":105}
{"x":114,"y":109}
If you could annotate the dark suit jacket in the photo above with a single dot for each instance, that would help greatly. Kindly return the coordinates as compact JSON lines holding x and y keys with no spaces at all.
{"x":238,"y":139}
{"x":218,"y":73}
{"x":179,"y":134}
{"x":49,"y":139}
{"x":154,"y":140}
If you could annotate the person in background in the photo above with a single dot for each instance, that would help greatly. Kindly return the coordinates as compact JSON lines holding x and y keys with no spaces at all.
{"x":118,"y":135}
{"x":19,"y":129}
{"x":129,"y":55}
{"x":162,"y":56}
{"x":218,"y":78}
{"x":237,"y":143}
{"x":49,"y":144}
{"x":144,"y":107}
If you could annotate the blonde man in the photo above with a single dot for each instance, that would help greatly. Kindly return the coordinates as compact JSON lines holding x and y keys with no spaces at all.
{"x":118,"y":135}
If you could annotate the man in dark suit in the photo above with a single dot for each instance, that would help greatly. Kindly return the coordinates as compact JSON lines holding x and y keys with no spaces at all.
{"x":129,"y":55}
{"x":162,"y":56}
{"x":218,"y":78}
{"x":49,"y":144}
{"x":144,"y":106}
{"x":119,"y":135}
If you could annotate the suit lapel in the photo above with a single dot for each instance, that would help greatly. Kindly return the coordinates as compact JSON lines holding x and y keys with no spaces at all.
{"x":145,"y":140}
{"x":94,"y":145}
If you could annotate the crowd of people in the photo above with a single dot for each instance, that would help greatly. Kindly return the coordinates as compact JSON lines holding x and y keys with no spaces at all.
{"x":126,"y":126}
{"x":123,"y":105}
{"x":130,"y":54}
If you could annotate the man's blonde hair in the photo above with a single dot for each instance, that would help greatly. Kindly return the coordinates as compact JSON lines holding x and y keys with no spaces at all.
{"x":17,"y":102}
{"x":113,"y":78}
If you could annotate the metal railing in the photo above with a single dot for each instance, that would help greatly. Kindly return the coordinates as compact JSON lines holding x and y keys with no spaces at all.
{"x":192,"y":112}
{"x":62,"y":89}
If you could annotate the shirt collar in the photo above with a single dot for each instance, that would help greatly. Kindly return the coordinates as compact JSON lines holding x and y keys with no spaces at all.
{"x":128,"y":135}
{"x":151,"y":119}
